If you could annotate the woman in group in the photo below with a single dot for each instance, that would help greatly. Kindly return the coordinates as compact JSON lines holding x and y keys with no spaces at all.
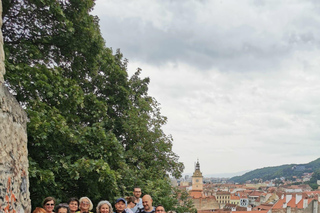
{"x":62,"y":208}
{"x":85,"y":205}
{"x":73,"y":204}
{"x":130,"y":204}
{"x":104,"y":207}
{"x":48,"y":204}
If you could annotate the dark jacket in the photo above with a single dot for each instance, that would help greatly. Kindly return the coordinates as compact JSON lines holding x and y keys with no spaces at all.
{"x":143,"y":211}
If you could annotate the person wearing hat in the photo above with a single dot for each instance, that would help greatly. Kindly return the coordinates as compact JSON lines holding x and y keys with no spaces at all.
{"x":120,"y":205}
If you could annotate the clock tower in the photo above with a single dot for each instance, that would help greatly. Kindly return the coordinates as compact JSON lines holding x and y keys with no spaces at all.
{"x":197,"y":178}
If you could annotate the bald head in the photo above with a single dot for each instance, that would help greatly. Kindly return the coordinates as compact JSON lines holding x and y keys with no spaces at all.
{"x":147,"y":203}
{"x":146,"y":197}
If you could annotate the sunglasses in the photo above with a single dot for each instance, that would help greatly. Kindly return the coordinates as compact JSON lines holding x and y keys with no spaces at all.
{"x":49,"y":204}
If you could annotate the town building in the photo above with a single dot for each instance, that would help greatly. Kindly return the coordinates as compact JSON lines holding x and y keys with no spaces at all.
{"x":203,"y":203}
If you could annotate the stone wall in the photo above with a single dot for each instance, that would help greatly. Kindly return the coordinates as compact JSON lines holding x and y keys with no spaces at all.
{"x":14,"y":181}
{"x":207,"y":203}
{"x":2,"y":70}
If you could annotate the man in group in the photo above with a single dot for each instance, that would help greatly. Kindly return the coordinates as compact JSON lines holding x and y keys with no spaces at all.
{"x":147,"y":205}
{"x":120,"y":205}
{"x":138,"y":200}
{"x":160,"y":209}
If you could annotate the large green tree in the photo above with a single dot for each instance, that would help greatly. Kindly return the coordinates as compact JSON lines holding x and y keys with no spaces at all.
{"x":92,"y":130}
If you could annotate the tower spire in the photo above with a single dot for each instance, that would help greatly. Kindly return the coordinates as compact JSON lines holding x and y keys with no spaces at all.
{"x":197,"y":178}
{"x":197,"y":167}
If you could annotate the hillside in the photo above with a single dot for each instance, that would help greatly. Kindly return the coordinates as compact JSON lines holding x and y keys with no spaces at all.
{"x":286,"y":171}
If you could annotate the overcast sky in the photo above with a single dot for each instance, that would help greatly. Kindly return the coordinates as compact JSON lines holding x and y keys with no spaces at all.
{"x":238,"y":80}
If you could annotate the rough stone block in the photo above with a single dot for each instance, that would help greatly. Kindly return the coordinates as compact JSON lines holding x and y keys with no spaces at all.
{"x":14,"y":155}
{"x":14,"y":181}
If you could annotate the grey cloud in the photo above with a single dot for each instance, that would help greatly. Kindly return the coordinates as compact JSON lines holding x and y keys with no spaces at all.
{"x":269,"y":115}
{"x":206,"y":45}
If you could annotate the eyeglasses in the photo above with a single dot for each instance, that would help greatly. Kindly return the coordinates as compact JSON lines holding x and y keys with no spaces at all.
{"x":85,"y":202}
{"x":49,"y":204}
{"x":160,"y":210}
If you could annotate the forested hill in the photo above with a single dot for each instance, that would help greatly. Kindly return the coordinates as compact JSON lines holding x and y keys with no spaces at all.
{"x":286,"y":171}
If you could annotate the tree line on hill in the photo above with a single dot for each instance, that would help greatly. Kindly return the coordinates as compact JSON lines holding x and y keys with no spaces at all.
{"x":286,"y":171}
{"x":93,"y":130}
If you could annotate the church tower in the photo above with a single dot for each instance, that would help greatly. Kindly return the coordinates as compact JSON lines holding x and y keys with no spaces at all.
{"x":197,"y":178}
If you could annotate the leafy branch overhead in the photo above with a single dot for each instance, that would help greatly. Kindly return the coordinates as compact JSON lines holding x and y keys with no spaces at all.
{"x":92,"y":130}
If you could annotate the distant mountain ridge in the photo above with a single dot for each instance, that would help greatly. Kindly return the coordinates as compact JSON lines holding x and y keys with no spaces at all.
{"x":287,"y":171}
{"x":219,"y":175}
{"x":225,"y":175}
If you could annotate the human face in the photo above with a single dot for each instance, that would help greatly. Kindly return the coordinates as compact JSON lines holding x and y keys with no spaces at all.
{"x":63,"y":210}
{"x":137,"y":193}
{"x":160,"y":209}
{"x":131,"y":205}
{"x":73,"y":205}
{"x":49,"y":206}
{"x":147,"y":203}
{"x":120,"y":206}
{"x":84,"y":205}
{"x":104,"y":208}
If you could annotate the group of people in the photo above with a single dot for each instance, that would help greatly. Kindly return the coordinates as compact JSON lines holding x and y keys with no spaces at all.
{"x":134,"y":204}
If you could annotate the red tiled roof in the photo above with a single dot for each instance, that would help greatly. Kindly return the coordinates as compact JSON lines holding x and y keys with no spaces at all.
{"x":234,"y":197}
{"x":223,"y":193}
{"x":300,"y":204}
{"x":279,"y":204}
{"x":195,"y":194}
{"x":255,"y":194}
{"x":257,"y":211}
{"x":292,"y":202}
{"x":264,"y":206}
{"x":312,"y":192}
{"x":272,"y":189}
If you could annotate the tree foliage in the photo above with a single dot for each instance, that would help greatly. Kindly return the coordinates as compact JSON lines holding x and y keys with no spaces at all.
{"x":92,"y":130}
{"x":313,"y":183}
